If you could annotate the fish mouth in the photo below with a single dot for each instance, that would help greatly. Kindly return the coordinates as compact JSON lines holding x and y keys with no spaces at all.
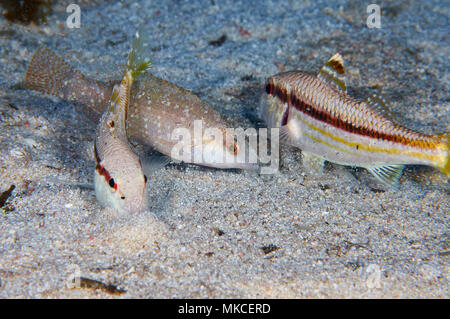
{"x":132,"y":205}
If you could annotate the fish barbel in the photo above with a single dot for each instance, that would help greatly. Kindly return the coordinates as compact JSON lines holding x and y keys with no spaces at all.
{"x":156,"y":109}
{"x":315,"y":114}
{"x":119,"y":180}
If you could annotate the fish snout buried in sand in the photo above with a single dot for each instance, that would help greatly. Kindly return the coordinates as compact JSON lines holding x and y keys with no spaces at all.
{"x":119,"y":179}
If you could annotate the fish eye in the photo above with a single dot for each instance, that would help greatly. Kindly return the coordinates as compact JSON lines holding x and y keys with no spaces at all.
{"x":145,"y":178}
{"x":111,"y":182}
{"x":122,"y":197}
{"x":233,"y":148}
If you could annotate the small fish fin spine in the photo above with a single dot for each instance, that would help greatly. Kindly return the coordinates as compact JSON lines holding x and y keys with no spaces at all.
{"x":333,"y":73}
{"x":120,"y":99}
{"x":115,"y":102}
{"x":115,"y":94}
{"x":138,"y":62}
{"x":154,"y":162}
{"x":444,"y":146}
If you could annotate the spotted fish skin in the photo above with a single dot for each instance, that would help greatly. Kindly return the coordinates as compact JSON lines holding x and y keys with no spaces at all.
{"x":172,"y":107}
{"x":316,"y":114}
{"x":49,"y":74}
{"x":156,"y":107}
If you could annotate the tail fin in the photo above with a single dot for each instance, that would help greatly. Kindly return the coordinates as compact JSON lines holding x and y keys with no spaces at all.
{"x":48,"y":73}
{"x":445,"y":147}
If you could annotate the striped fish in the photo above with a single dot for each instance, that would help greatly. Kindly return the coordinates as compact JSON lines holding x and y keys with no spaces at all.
{"x":315,"y":114}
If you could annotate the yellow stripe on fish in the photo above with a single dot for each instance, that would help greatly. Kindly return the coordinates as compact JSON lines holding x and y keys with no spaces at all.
{"x":317,"y":115}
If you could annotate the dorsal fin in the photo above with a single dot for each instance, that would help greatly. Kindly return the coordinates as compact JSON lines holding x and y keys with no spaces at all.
{"x":113,"y":104}
{"x":377,"y":102}
{"x":333,"y":72}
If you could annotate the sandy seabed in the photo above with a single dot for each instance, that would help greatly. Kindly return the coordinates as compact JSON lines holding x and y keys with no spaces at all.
{"x":213,"y":233}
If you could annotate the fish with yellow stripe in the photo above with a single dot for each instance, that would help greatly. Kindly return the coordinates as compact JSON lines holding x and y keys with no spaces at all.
{"x":315,"y":113}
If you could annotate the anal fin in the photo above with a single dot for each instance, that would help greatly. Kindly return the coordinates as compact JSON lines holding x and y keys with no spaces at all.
{"x":389,"y":175}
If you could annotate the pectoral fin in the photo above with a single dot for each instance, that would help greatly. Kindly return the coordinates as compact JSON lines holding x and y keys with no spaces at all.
{"x":388,"y":175}
{"x":152,"y":163}
{"x":291,"y":133}
{"x":286,"y":135}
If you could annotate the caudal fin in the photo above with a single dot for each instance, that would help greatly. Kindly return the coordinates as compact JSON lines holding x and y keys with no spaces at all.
{"x":444,"y":147}
{"x":48,"y":73}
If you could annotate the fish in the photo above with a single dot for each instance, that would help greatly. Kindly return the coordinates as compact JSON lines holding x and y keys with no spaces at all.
{"x":157,"y":108}
{"x":315,"y":113}
{"x":119,"y":180}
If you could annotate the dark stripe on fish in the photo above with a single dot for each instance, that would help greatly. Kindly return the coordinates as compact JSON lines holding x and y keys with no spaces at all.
{"x":97,"y":158}
{"x":321,"y":115}
{"x":103,"y":171}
